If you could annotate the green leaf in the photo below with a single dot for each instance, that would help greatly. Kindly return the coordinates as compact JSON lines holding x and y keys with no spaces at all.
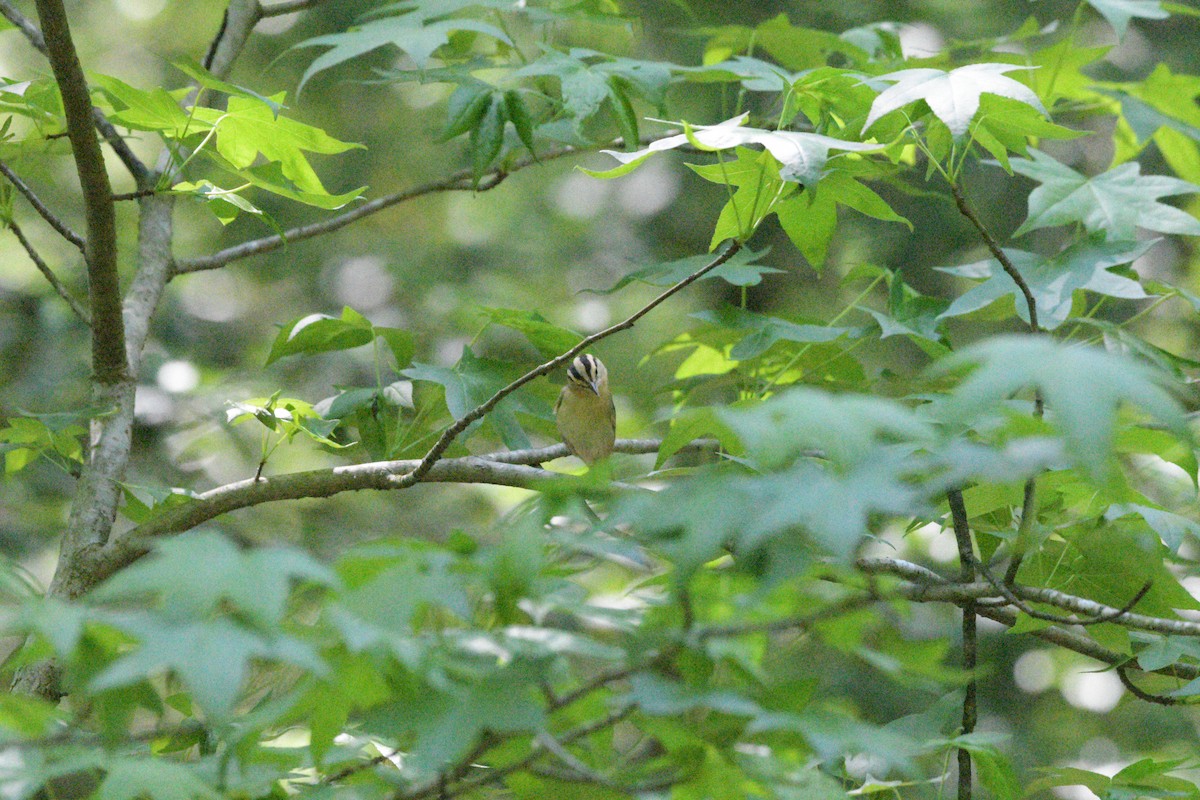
{"x":193,"y":575}
{"x":249,"y":130}
{"x":211,"y":656}
{"x":801,"y":156}
{"x":550,"y":340}
{"x":692,"y":424}
{"x":197,"y":72}
{"x":418,"y":33}
{"x":765,"y":331}
{"x":319,"y":333}
{"x":1119,"y":12}
{"x":155,"y":110}
{"x":465,"y":109}
{"x":24,"y":717}
{"x":399,"y":341}
{"x":487,"y":137}
{"x":1116,"y":202}
{"x":952,"y":96}
{"x":472,"y":381}
{"x":518,"y":115}
{"x":740,"y":270}
{"x":627,"y":118}
{"x":1083,"y":388}
{"x":128,"y":778}
{"x":1083,"y":266}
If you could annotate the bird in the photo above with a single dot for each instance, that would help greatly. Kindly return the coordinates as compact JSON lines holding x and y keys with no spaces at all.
{"x":586,"y":416}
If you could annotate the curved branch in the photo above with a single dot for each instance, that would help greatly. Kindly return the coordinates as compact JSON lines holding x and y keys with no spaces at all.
{"x":63,"y":228}
{"x":514,"y":468}
{"x":924,"y":585}
{"x":1006,"y":591}
{"x":463,"y":180}
{"x":930,"y":586}
{"x":451,"y":433}
{"x":1142,"y":694}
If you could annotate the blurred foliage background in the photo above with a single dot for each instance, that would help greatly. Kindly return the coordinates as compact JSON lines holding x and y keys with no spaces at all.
{"x":539,"y":241}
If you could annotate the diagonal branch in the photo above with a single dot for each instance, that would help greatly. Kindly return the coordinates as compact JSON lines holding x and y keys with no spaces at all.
{"x":55,"y":222}
{"x":452,"y":433}
{"x":132,"y":163}
{"x":1029,"y":501}
{"x":289,"y":7}
{"x":463,"y":180}
{"x":79,"y":308}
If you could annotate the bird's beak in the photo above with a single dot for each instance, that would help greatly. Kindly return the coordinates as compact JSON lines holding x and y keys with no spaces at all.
{"x":595,"y":389}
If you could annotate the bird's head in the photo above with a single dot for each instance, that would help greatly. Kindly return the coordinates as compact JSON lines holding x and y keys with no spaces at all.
{"x":587,"y":373}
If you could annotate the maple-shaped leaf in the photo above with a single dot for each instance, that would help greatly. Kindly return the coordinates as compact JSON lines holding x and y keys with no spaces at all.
{"x":952,"y":96}
{"x":1083,"y":388}
{"x":801,"y":155}
{"x":1053,"y":281}
{"x":468,"y":384}
{"x":418,"y":33}
{"x":1116,"y":202}
{"x":1119,"y":12}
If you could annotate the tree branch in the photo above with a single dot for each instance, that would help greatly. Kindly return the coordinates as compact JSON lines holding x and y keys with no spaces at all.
{"x":79,"y":308}
{"x":970,"y":646}
{"x":924,"y":586}
{"x":1029,"y":502}
{"x":238,"y":21}
{"x":132,"y":163}
{"x":25,"y":25}
{"x":515,"y":468}
{"x":108,"y":330}
{"x":290,"y":7}
{"x":934,"y":587}
{"x":451,"y":433}
{"x":463,"y":180}
{"x":55,"y":222}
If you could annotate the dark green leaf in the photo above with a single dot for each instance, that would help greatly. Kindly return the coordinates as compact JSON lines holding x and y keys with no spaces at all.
{"x":319,"y":333}
{"x":550,"y":340}
{"x":518,"y":115}
{"x":465,"y":109}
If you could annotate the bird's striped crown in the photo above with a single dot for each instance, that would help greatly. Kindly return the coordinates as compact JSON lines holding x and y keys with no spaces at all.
{"x":586,"y":371}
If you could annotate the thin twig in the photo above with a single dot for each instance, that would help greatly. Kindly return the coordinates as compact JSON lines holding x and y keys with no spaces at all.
{"x":79,"y":308}
{"x":1029,"y":501}
{"x":55,"y":221}
{"x":25,"y":25}
{"x":132,"y":163}
{"x":998,"y":253}
{"x":137,"y":195}
{"x":463,"y":180}
{"x":1111,"y":615}
{"x":451,"y":433}
{"x":493,"y":775}
{"x":1142,"y":694}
